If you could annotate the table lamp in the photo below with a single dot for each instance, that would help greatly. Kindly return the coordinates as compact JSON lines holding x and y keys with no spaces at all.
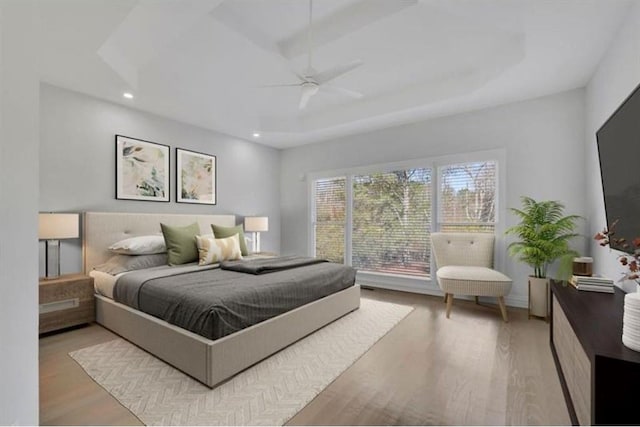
{"x":256,"y":224}
{"x":53,"y":227}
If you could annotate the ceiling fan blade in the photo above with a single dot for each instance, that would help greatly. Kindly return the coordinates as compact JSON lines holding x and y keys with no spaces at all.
{"x":304,"y":100}
{"x":282,"y":85}
{"x":334,"y":72}
{"x":306,"y":94}
{"x":342,"y":91}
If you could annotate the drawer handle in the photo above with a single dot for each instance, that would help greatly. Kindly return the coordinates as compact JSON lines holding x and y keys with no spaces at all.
{"x":59,"y":305}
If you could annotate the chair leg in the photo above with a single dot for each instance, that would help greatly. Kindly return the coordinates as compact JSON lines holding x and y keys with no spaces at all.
{"x":449,"y":303}
{"x":445,"y":297}
{"x":477,"y":300}
{"x":503,"y":309}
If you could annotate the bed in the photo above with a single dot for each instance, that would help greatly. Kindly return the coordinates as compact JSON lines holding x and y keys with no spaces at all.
{"x":210,"y":361}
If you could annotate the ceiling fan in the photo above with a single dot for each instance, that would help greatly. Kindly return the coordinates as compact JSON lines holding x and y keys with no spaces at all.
{"x":311,"y":82}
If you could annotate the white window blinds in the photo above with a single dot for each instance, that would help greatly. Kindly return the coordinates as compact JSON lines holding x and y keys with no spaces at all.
{"x":391,"y":222}
{"x":467,"y":197}
{"x":330,"y":218}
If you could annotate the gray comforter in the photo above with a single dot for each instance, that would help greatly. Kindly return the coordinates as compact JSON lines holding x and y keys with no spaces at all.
{"x":213,"y":302}
{"x":270,"y":265}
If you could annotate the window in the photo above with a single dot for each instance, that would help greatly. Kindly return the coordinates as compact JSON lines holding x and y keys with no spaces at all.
{"x":330,"y":218}
{"x":391,"y":219}
{"x":379,"y":218}
{"x":467,"y":197}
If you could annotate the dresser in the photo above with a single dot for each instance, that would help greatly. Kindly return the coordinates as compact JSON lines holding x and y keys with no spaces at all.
{"x":600,"y":377}
{"x":66,"y":301}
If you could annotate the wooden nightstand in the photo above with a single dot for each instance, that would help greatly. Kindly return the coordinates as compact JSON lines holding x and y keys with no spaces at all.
{"x":66,"y":301}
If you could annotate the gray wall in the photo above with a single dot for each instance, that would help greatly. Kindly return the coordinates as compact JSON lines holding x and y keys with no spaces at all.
{"x":617,"y":75}
{"x":77,"y":164}
{"x":543,"y":139}
{"x":18,"y":214}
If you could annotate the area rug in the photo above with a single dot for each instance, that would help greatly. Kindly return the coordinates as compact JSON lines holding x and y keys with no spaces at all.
{"x":269,"y":393}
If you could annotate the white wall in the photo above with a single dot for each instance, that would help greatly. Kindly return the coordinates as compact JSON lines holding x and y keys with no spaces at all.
{"x":616,"y":77}
{"x":18,"y":214}
{"x":543,"y":140}
{"x":77,"y":167}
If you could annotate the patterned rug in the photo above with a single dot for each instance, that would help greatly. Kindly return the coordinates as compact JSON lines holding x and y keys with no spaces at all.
{"x":269,"y":393}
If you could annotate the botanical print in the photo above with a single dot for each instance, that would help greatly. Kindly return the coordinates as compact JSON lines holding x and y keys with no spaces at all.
{"x":142,"y":170}
{"x":196,"y":175}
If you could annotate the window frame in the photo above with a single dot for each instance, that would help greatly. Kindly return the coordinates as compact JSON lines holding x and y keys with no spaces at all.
{"x":497,"y":216}
{"x":399,"y":281}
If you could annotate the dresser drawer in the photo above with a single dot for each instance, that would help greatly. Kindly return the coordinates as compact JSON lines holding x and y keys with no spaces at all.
{"x":575,"y":364}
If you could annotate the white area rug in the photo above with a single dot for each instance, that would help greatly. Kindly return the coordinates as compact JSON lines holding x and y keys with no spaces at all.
{"x":269,"y":393}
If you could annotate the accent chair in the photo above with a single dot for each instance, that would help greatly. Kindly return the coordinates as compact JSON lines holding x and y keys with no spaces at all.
{"x":464,"y":266}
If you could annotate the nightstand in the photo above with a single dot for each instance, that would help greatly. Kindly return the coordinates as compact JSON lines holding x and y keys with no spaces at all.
{"x":66,"y":301}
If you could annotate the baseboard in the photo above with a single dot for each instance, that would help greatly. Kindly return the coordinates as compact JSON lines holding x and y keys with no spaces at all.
{"x":427,"y":288}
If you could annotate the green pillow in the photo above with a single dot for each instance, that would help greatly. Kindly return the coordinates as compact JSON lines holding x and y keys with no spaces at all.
{"x":181,"y":243}
{"x":222,"y":232}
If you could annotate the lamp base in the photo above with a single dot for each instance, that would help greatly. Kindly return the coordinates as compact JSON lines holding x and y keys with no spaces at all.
{"x":256,"y":242}
{"x":52,"y":259}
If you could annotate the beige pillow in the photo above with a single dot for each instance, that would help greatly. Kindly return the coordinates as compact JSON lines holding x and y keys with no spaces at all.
{"x":212,"y":250}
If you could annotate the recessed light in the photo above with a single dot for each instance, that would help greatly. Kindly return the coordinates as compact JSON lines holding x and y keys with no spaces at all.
{"x":256,"y":135}
{"x":128,"y":95}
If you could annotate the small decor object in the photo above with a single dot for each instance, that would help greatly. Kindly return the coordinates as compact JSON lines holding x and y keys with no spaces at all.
{"x":583,"y":266}
{"x":53,"y":227}
{"x":256,"y":224}
{"x":196,"y":177}
{"x":592,"y":284}
{"x":631,"y":321}
{"x":544,"y":234}
{"x":142,"y":170}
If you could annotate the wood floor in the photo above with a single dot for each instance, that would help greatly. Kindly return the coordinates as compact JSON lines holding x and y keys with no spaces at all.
{"x":470,"y":369}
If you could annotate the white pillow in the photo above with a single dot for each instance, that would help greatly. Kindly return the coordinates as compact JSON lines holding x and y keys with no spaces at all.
{"x":212,"y":250}
{"x":141,"y":245}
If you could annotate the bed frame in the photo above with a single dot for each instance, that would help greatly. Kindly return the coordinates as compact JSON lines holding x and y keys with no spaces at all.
{"x":208,"y":361}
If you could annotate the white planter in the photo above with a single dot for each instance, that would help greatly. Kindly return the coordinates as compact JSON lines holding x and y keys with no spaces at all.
{"x":539,"y":297}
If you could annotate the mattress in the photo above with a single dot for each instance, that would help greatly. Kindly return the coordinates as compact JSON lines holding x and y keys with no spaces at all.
{"x":214,"y":303}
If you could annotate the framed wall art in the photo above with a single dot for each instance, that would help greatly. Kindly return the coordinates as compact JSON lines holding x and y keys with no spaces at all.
{"x":195,"y":177}
{"x":142,"y":170}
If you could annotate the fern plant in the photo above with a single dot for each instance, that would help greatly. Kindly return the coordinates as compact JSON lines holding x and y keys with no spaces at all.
{"x":544,"y":234}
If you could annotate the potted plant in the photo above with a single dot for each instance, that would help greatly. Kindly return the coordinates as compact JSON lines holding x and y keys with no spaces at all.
{"x":544,"y":234}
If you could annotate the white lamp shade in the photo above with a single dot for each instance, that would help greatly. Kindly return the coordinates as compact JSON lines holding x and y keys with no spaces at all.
{"x":55,"y":226}
{"x":256,"y":223}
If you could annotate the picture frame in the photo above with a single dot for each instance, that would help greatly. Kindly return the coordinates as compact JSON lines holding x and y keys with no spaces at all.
{"x":142,"y":170}
{"x":196,"y":177}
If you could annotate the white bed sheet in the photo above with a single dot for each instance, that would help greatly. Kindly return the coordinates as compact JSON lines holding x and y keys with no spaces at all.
{"x":103,"y":283}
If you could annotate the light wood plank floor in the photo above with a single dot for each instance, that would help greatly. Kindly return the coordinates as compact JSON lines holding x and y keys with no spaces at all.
{"x":467,"y":370}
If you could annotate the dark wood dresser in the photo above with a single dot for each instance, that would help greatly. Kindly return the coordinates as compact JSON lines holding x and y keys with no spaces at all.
{"x":600,"y":377}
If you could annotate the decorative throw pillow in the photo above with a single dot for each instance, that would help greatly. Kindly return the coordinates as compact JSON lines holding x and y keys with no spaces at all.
{"x":122,"y":263}
{"x":222,"y":232}
{"x":140,"y":245}
{"x":181,"y":243}
{"x":212,"y":250}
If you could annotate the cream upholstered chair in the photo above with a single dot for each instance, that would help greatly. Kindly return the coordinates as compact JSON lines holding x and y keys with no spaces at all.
{"x":464,"y":266}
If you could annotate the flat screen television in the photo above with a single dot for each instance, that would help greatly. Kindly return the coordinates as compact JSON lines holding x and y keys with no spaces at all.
{"x":619,"y":152}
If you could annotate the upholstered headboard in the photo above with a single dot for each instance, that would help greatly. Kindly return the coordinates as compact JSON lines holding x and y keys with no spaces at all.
{"x":101,"y":229}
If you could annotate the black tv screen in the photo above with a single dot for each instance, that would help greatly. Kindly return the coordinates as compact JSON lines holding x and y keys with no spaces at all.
{"x":619,"y":151}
